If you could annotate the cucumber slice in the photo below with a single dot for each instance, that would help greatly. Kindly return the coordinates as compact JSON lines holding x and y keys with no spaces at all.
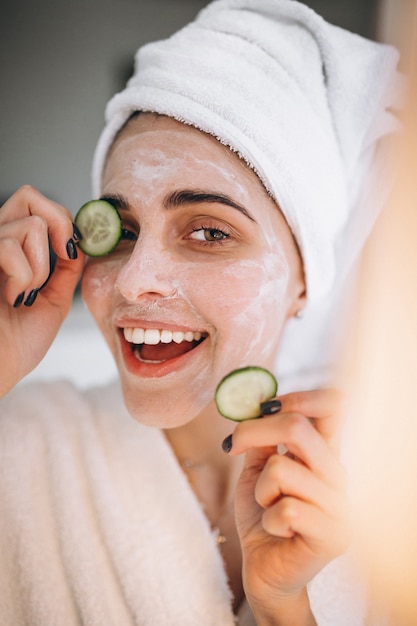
{"x":100,"y":226}
{"x":240,"y":393}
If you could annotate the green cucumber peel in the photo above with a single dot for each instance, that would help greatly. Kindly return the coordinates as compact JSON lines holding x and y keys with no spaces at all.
{"x":240,"y":393}
{"x":100,"y":226}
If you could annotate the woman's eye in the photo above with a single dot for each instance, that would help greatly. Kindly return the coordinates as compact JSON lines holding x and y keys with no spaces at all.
{"x":128,"y":235}
{"x":208,"y":234}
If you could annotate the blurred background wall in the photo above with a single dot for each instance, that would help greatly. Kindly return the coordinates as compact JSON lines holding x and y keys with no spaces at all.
{"x":60,"y":64}
{"x":62,"y":61}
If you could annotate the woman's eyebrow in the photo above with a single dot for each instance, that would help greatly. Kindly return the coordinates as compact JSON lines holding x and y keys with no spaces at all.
{"x":117,"y":200}
{"x":181,"y":198}
{"x":188,"y":196}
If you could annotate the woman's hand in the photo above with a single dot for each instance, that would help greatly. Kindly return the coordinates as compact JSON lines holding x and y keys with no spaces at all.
{"x":291,"y":509}
{"x":27,"y":219}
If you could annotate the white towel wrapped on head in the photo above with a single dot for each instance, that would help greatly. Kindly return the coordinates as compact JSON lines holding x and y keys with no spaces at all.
{"x":303,"y":102}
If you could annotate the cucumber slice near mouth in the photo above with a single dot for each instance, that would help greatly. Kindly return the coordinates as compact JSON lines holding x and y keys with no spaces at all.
{"x":239,"y":394}
{"x":100,"y":226}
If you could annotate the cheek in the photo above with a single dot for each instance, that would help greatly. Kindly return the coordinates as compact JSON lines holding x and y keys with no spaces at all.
{"x":97,"y":286}
{"x":248,"y":302}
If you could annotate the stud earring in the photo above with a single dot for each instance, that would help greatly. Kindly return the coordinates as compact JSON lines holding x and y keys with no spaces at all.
{"x":299,"y":314}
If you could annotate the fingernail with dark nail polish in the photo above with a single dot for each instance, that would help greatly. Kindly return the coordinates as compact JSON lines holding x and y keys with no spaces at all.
{"x":227,"y":444}
{"x":19,"y":300}
{"x":270,"y":407}
{"x":77,"y":236}
{"x":31,"y":297}
{"x":71,"y":249}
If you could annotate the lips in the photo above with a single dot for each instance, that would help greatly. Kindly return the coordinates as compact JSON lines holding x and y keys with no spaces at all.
{"x":155,"y":347}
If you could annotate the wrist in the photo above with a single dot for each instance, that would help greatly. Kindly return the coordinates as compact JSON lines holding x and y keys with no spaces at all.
{"x":287,"y":610}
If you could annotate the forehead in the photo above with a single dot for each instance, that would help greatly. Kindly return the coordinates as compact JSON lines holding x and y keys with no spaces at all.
{"x":155,"y":140}
{"x":154,"y":156}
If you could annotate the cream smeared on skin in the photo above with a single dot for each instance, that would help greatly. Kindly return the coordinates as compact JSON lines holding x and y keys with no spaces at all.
{"x":239,"y":295}
{"x":164,"y":165}
{"x":102,"y":283}
{"x":271,"y":279}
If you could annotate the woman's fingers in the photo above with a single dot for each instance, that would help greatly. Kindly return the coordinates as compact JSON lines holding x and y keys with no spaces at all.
{"x":24,"y":256}
{"x":325,"y":408}
{"x":29,"y":225}
{"x":283,"y":476}
{"x":291,"y":509}
{"x":15,"y":270}
{"x":320,"y":403}
{"x":28,"y":201}
{"x":323,"y":535}
{"x":299,"y":436}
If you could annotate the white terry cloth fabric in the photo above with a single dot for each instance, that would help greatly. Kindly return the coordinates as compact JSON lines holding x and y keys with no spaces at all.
{"x":302,"y":101}
{"x":306,"y":104}
{"x":99,"y":526}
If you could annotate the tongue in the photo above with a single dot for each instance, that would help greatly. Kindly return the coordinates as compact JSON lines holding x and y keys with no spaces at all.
{"x":165,"y":351}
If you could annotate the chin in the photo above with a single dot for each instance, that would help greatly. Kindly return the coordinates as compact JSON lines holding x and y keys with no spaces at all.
{"x":164,"y":410}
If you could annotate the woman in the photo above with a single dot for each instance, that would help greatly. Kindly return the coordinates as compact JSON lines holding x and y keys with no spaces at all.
{"x":224,"y":182}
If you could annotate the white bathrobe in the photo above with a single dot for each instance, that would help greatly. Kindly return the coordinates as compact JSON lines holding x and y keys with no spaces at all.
{"x":99,"y":527}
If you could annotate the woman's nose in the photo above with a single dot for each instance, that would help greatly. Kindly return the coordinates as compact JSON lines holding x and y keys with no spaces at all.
{"x":147,"y":271}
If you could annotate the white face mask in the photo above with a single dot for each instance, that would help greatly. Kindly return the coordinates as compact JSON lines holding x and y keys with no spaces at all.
{"x":222,"y":273}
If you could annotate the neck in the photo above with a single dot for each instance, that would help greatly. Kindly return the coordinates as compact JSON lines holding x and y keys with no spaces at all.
{"x":213,"y":476}
{"x":200,"y":439}
{"x":197,"y":446}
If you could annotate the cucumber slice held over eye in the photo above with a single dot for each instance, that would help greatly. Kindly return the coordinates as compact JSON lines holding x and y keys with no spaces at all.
{"x":239,"y":394}
{"x":100,"y":226}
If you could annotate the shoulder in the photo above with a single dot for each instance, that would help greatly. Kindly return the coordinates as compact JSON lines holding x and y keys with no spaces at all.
{"x":51,"y":410}
{"x":34,"y":402}
{"x":51,"y":417}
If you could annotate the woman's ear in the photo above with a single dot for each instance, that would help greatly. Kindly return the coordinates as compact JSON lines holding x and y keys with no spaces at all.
{"x":299,"y":304}
{"x":299,"y":291}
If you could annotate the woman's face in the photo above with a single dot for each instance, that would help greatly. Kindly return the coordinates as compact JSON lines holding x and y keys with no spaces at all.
{"x":206,"y":277}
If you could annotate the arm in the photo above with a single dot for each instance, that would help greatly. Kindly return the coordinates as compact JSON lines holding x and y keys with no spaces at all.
{"x":27,"y":328}
{"x":291,"y":510}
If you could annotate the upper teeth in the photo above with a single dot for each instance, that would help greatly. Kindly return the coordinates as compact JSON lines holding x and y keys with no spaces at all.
{"x":153,"y":336}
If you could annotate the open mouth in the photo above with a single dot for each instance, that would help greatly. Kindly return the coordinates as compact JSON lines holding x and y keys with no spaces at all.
{"x":151,"y":345}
